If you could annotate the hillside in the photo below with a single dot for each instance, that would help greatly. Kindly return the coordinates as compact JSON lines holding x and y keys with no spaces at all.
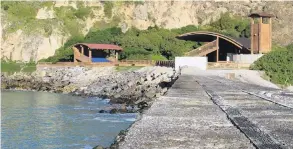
{"x":34,"y":30}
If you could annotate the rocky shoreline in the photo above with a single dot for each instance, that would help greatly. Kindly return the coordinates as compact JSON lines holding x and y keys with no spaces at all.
{"x":134,"y":90}
{"x":130,"y":88}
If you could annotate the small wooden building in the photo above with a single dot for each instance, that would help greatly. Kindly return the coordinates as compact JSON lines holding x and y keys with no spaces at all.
{"x":88,"y":52}
{"x":261,"y":32}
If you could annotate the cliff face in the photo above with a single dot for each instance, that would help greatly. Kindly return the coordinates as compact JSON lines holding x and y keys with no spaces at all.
{"x":24,"y":46}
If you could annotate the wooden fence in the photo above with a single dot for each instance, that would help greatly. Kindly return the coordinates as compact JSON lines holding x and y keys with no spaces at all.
{"x":101,"y":64}
{"x":165,"y":63}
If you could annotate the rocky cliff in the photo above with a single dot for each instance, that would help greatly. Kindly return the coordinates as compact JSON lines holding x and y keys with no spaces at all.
{"x":55,"y":22}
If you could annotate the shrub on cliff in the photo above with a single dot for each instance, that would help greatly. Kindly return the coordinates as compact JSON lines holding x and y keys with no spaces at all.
{"x":278,"y":65}
{"x":106,"y":36}
{"x":154,"y":43}
{"x":232,"y":26}
{"x":142,"y":44}
{"x":108,"y":6}
{"x":83,"y":12}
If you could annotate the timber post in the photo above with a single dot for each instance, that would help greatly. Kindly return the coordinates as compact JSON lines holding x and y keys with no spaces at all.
{"x":82,"y":50}
{"x":90,"y":55}
{"x":217,"y":54}
{"x":116,"y":53}
{"x":251,"y":35}
{"x":260,"y":35}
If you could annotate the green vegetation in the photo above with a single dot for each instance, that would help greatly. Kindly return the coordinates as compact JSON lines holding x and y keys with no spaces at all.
{"x":278,"y":65}
{"x":108,"y":6}
{"x":82,"y":12}
{"x":127,"y":68}
{"x":152,"y":44}
{"x":101,"y":25}
{"x":22,"y":15}
{"x":70,"y":23}
{"x":12,"y":66}
{"x":135,"y":2}
{"x":232,"y":26}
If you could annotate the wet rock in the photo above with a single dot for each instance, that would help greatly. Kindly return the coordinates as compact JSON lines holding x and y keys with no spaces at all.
{"x":164,"y":90}
{"x":102,"y":111}
{"x":142,"y":105}
{"x":113,"y":111}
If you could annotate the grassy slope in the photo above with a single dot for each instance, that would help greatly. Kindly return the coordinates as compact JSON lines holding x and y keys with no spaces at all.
{"x":12,"y":67}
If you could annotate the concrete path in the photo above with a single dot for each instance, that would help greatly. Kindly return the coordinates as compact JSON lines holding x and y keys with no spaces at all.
{"x":268,"y":123}
{"x":186,"y":118}
{"x":207,"y":111}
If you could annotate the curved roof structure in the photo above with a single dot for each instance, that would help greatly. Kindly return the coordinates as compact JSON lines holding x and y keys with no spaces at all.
{"x":261,"y":14}
{"x":206,"y":36}
{"x":100,"y":46}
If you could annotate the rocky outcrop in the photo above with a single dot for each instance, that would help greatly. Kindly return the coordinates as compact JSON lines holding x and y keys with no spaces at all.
{"x":166,"y":14}
{"x":129,"y":87}
{"x":20,"y":46}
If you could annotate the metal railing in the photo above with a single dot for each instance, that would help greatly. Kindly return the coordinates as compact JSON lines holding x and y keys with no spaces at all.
{"x":165,"y":63}
{"x":150,"y":62}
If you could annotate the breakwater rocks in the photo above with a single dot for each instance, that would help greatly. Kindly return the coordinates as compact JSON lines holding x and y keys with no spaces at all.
{"x":137,"y":87}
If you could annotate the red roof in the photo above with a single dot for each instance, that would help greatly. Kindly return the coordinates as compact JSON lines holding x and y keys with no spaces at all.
{"x":101,"y":46}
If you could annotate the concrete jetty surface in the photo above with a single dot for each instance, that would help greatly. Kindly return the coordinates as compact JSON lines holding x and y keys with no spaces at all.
{"x":212,"y":112}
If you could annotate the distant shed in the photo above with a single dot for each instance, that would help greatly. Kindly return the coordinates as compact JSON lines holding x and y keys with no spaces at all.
{"x":91,"y":52}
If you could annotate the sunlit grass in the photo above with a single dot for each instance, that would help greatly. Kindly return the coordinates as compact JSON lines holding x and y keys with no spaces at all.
{"x":11,"y":67}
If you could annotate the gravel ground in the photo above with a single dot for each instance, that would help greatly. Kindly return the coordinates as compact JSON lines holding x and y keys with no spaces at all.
{"x":247,"y":76}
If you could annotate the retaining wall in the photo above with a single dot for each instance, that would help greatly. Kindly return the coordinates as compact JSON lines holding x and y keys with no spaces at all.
{"x":198,"y":62}
{"x":246,"y":58}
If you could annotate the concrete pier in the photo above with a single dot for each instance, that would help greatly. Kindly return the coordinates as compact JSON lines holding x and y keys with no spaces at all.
{"x":211,"y":112}
{"x":185,"y":118}
{"x":268,"y":123}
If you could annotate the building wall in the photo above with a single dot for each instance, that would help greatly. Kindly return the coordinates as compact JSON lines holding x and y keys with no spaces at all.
{"x":246,"y":58}
{"x":265,"y":38}
{"x":197,"y":62}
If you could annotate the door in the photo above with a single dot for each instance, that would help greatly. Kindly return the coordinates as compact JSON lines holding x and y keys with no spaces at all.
{"x":255,"y":38}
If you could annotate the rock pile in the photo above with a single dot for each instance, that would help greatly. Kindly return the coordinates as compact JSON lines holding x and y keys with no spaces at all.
{"x":128,"y":87}
{"x":132,"y":86}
